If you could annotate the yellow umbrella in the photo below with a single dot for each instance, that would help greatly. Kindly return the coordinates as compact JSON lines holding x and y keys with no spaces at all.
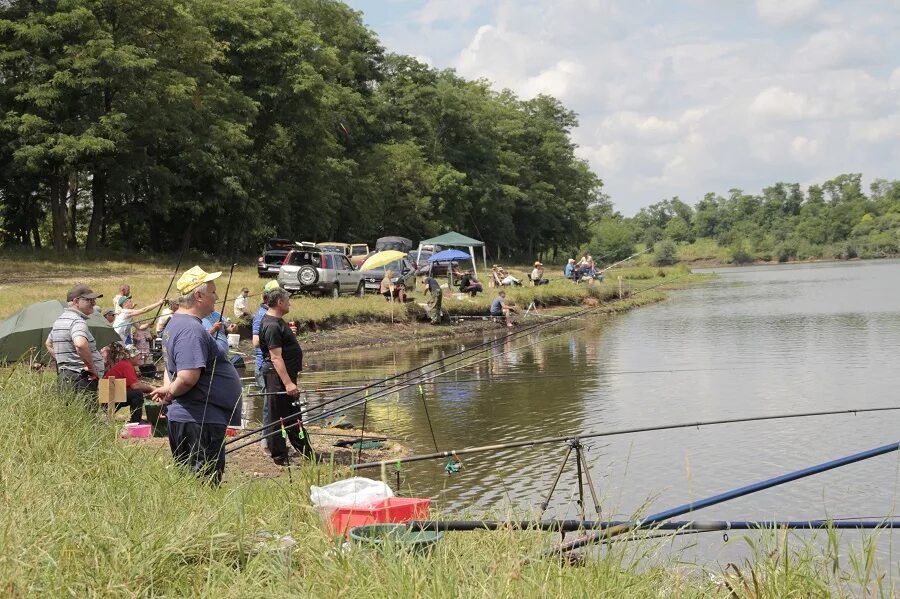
{"x":381,"y":258}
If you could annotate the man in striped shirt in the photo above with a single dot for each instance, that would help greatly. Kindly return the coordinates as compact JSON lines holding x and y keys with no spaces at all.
{"x":78,"y":363}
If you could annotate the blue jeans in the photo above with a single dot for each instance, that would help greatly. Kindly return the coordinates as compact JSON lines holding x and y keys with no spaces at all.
{"x":260,"y":381}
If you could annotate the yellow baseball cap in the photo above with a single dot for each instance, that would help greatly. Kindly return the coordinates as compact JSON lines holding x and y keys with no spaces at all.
{"x":271,"y":285}
{"x":193,"y":278}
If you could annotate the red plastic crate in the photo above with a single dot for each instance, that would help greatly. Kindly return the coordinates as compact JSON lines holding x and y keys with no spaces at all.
{"x":392,"y":509}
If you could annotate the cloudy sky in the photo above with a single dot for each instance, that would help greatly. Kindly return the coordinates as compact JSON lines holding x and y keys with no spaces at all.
{"x":682,"y":97}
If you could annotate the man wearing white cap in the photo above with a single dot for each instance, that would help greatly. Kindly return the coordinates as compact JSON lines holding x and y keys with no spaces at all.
{"x":201,"y":387}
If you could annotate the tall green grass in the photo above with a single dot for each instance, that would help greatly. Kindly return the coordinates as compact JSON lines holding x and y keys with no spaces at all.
{"x":86,"y":514}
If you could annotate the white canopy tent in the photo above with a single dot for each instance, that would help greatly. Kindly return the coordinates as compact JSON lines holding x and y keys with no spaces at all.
{"x":457,"y":240}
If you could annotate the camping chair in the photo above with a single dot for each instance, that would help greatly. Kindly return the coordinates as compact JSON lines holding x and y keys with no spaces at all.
{"x":495,"y":279}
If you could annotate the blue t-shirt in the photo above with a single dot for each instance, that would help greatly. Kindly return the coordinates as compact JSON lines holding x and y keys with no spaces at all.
{"x":221,"y":335}
{"x":257,"y":325}
{"x":216,"y":398}
{"x":568,"y":270}
{"x":496,"y":307}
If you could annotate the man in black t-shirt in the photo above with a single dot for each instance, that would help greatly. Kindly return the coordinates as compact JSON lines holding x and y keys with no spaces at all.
{"x":282,"y":363}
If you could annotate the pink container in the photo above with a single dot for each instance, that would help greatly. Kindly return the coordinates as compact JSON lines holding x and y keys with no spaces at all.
{"x":392,"y":509}
{"x":139,"y":431}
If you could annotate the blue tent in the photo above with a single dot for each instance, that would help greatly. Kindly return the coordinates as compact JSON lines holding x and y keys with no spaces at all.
{"x":449,"y":256}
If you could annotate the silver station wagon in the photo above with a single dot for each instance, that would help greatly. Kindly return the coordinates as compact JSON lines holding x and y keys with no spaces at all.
{"x":310,"y":270}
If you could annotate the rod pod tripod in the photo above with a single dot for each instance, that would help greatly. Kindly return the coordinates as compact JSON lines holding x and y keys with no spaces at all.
{"x":583,"y":474}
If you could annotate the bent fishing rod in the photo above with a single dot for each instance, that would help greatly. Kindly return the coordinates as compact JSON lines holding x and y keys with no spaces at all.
{"x":615,"y":264}
{"x":441,"y":362}
{"x":593,"y":435}
{"x":674,"y":525}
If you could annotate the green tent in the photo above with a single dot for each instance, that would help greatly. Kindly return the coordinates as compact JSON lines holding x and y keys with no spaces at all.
{"x":454,"y":239}
{"x":25,"y":332}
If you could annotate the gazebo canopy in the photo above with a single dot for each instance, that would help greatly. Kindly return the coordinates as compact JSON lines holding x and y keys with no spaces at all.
{"x":453,"y":239}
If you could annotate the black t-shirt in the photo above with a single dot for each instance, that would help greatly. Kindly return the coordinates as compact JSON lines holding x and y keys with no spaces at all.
{"x":433,"y":285}
{"x":274,"y":332}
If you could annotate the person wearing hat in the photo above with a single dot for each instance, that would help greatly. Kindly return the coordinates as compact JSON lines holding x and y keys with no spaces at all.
{"x":135,"y":389}
{"x":124,"y":322}
{"x":71,"y":344}
{"x":200,"y":386}
{"x":259,"y":379}
{"x":241,"y":308}
{"x":124,"y":289}
{"x":110,"y":315}
{"x":537,"y":275}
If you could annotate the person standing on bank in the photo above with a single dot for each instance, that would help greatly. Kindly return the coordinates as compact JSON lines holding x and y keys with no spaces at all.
{"x":79,"y":364}
{"x":282,"y":363}
{"x":437,"y":295}
{"x":201,"y":387}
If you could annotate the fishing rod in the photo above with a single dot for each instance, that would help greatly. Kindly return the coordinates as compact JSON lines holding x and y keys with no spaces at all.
{"x":488,"y":344}
{"x":387,"y":391}
{"x":590,"y":435}
{"x":659,"y":517}
{"x":517,"y":378}
{"x":614,"y":264}
{"x":563,"y":526}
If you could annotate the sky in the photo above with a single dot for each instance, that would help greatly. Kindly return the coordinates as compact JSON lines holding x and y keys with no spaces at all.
{"x":683,"y":97}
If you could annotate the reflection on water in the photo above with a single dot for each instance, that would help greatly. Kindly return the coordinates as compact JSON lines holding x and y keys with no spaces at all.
{"x":757,"y":341}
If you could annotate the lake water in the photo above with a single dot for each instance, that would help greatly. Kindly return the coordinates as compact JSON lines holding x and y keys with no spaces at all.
{"x":756,"y":341}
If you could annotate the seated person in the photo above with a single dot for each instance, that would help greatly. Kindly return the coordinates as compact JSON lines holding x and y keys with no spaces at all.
{"x":503,"y":277}
{"x":391,"y":290}
{"x":537,"y":275}
{"x":569,"y":270}
{"x":135,"y":389}
{"x":469,"y":284}
{"x":499,"y":307}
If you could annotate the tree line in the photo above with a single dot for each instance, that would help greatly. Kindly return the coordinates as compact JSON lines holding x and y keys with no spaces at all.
{"x":834,"y":219}
{"x":138,"y":125}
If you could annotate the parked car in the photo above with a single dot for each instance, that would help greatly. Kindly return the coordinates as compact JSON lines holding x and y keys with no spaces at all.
{"x":273,"y":255}
{"x":403,"y":273}
{"x":308,"y":269}
{"x":358,"y":253}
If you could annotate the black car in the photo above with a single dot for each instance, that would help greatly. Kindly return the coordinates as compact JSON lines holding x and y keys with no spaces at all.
{"x":403,"y":270}
{"x":273,"y":255}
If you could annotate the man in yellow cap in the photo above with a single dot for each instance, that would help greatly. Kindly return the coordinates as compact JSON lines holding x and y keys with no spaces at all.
{"x":201,"y":387}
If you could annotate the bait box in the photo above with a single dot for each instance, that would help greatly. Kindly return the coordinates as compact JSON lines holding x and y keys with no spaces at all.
{"x":386,"y":511}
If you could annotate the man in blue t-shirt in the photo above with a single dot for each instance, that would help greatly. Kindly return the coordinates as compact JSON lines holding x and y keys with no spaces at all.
{"x":201,"y":387}
{"x":499,"y":307}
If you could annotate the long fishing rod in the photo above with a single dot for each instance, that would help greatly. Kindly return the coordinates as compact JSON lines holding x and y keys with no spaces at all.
{"x":659,"y":517}
{"x":518,"y":378}
{"x":614,"y":264}
{"x":612,"y":433}
{"x":184,"y":246}
{"x":676,"y":525}
{"x":488,"y":344}
{"x":527,"y":330}
{"x":416,"y":380}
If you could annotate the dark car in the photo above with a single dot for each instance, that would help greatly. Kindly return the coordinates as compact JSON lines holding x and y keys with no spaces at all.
{"x":274,"y":252}
{"x":401,"y":244}
{"x":403,"y":273}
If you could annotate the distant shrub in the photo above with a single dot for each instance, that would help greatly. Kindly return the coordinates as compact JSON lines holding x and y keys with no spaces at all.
{"x":665,"y":253}
{"x":741,"y":254}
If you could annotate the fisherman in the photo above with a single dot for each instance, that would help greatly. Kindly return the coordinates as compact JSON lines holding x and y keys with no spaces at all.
{"x":201,"y":387}
{"x":124,"y":367}
{"x":241,"y":307}
{"x":71,"y":344}
{"x":437,"y":295}
{"x":282,"y":363}
{"x":499,"y":307}
{"x":258,"y":375}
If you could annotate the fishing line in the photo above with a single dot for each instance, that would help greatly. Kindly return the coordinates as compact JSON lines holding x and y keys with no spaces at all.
{"x":612,"y":433}
{"x":527,"y":330}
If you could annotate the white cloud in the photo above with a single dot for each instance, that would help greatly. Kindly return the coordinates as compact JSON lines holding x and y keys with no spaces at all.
{"x":785,"y":11}
{"x":778,"y":103}
{"x":691,"y":97}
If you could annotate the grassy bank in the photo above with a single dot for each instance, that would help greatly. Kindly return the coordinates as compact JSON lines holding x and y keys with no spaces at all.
{"x":85,"y":514}
{"x":46,"y":277}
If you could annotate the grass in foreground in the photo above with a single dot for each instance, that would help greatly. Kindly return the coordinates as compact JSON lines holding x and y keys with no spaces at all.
{"x":85,"y":514}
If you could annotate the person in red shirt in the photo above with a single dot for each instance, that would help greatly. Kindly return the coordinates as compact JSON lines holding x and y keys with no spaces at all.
{"x":135,"y":389}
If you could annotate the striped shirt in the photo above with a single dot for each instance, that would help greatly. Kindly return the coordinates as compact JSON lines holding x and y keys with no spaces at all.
{"x":70,"y":324}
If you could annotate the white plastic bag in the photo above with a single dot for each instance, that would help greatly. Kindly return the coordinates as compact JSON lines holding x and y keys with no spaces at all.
{"x":353,"y":492}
